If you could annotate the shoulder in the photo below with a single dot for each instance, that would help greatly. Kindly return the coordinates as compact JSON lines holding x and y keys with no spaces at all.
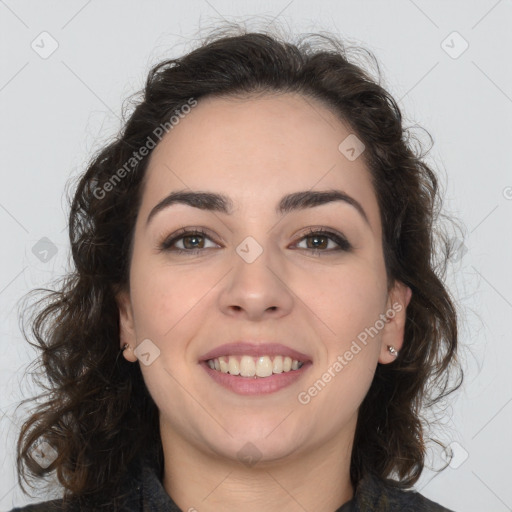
{"x":377,"y":494}
{"x":44,"y":506}
{"x":415,"y":502}
{"x":126,"y":497}
{"x":126,"y":502}
{"x":75,"y":505}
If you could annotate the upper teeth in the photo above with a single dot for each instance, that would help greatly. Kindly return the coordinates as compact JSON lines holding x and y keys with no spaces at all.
{"x":248,"y":366}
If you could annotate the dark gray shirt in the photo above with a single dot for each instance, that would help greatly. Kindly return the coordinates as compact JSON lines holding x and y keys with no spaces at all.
{"x":144,"y":492}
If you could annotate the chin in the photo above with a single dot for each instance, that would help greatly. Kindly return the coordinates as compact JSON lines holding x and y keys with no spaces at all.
{"x":254,"y":452}
{"x":257,"y":441}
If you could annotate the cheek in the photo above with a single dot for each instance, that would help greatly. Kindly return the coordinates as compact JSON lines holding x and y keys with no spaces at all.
{"x":345,"y":300}
{"x":169,"y":302}
{"x":169,"y":309}
{"x":347,"y":307}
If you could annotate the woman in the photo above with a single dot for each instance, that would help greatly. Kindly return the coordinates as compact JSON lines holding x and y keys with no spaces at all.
{"x":258,"y":245}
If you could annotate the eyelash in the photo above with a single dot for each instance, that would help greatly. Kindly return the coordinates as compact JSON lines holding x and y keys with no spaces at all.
{"x":343,"y":243}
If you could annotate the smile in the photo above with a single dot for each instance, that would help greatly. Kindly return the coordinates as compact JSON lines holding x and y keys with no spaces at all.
{"x":248,"y":366}
{"x":255,"y":367}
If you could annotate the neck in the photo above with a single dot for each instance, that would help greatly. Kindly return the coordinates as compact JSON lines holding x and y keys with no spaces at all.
{"x":317,"y":480}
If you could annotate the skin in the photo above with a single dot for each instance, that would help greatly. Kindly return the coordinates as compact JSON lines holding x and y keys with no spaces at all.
{"x":255,"y":150}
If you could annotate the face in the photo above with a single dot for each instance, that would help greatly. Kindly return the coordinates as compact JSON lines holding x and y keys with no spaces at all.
{"x":306,"y":281}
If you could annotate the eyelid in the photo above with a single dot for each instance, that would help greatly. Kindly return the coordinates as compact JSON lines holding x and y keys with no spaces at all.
{"x":165,"y":242}
{"x":339,"y":238}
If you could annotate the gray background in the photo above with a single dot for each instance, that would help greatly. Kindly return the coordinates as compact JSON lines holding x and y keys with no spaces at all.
{"x":56,"y":110}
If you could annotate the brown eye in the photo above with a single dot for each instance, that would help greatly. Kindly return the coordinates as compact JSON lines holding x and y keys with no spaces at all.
{"x":193,"y":241}
{"x":318,"y":241}
{"x":325,"y":241}
{"x":186,"y":242}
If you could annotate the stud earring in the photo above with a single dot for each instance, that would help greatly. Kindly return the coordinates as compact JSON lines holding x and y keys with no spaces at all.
{"x":125,"y":346}
{"x":393,"y":351}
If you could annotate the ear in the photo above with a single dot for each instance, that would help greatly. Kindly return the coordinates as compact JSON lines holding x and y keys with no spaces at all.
{"x":396,"y":311}
{"x":126,"y":326}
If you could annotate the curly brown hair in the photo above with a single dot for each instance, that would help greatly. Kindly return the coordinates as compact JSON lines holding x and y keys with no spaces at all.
{"x":97,"y":412}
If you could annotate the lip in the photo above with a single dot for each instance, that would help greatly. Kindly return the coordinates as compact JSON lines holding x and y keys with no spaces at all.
{"x":255,"y":385}
{"x":245,"y":348}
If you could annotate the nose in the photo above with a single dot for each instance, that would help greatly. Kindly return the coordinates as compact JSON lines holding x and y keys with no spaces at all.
{"x":256,"y":289}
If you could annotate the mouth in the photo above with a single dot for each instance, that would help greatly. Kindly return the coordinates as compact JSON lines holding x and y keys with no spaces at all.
{"x":255,"y":369}
{"x":260,"y":367}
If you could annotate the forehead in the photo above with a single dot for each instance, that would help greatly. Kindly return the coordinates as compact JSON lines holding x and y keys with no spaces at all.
{"x":256,"y":149}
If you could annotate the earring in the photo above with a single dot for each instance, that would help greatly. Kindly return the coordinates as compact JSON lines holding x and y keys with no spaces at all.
{"x":393,"y":351}
{"x":125,"y":346}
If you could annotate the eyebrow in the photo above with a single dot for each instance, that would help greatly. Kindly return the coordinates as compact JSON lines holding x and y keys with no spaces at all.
{"x":295,"y":201}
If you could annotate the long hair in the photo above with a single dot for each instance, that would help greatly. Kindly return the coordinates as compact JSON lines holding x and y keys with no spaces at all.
{"x":97,"y":413}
